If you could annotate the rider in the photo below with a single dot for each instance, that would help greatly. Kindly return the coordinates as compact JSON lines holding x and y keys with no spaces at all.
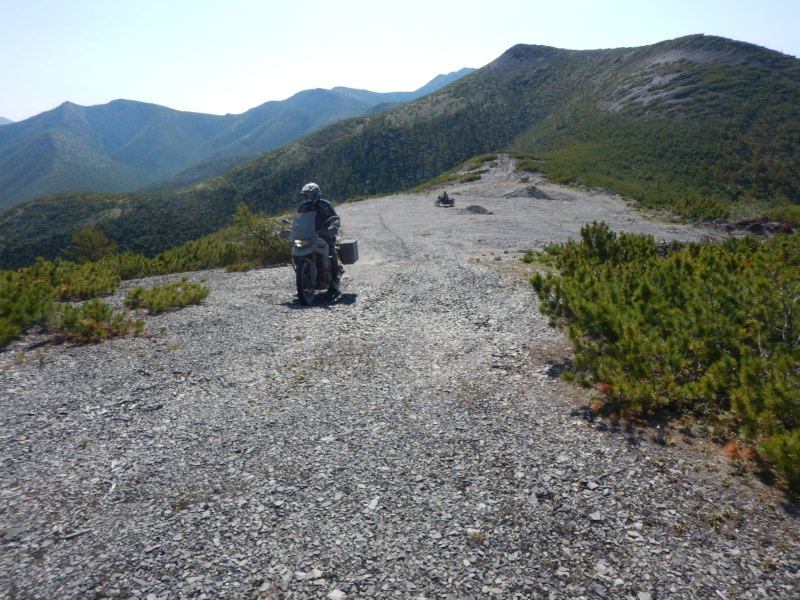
{"x":312,"y":201}
{"x":444,"y":197}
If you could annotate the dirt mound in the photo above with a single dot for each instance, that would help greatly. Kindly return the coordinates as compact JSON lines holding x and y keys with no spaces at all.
{"x":529,"y":192}
{"x":478,"y":210}
{"x":756,"y":226}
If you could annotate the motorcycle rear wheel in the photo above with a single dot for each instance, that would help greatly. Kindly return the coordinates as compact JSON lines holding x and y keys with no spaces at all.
{"x":305,"y":283}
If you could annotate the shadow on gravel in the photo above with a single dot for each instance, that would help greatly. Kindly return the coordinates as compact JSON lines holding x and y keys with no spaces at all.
{"x":323,"y":302}
{"x":632,"y":436}
{"x":557,"y":369}
{"x":476,"y":210}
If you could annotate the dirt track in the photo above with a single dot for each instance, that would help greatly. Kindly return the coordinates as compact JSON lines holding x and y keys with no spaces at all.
{"x":411,"y":440}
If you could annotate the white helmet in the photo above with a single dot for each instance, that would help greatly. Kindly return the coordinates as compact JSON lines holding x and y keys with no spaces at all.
{"x":311,"y":191}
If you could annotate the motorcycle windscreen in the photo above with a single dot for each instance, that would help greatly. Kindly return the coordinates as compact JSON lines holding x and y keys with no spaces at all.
{"x":304,"y":225}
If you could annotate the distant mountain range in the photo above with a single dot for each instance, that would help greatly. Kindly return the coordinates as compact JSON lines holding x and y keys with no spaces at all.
{"x":4,"y":121}
{"x":126,"y":145}
{"x":699,"y":126}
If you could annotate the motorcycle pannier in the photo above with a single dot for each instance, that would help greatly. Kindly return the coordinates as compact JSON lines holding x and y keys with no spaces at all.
{"x":348,"y":252}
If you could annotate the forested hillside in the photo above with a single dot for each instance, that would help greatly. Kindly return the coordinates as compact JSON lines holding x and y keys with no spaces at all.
{"x":706,"y":128}
{"x":699,"y":126}
{"x":125,"y":145}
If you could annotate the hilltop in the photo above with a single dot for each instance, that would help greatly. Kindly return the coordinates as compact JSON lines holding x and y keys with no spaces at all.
{"x":700,"y":127}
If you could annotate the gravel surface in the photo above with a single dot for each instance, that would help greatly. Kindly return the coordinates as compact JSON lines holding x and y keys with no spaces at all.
{"x":411,"y":440}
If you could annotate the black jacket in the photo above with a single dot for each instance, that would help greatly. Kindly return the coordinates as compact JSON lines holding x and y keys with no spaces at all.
{"x":324,"y":210}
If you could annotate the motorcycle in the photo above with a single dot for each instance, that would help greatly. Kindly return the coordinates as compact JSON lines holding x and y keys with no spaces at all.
{"x":444,"y":200}
{"x":313,"y":265}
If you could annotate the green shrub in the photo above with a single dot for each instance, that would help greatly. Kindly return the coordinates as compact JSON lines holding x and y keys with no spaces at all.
{"x":88,"y":281}
{"x":239,"y":267}
{"x":160,"y":298}
{"x":259,"y":235}
{"x":783,"y":451}
{"x":73,"y":281}
{"x":92,"y":321}
{"x":90,"y":245}
{"x":787,"y":214}
{"x":528,"y":163}
{"x":24,"y":302}
{"x":27,"y":295}
{"x":131,"y":266}
{"x":469,"y":177}
{"x":252,"y":240}
{"x":710,"y":329}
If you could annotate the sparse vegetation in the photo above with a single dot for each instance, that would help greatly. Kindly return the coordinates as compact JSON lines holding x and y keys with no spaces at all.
{"x":469,"y":177}
{"x":92,"y":321}
{"x":160,"y":298}
{"x":31,"y":296}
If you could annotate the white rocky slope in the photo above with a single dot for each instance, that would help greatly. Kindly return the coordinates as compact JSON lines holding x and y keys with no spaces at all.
{"x":412,"y":440}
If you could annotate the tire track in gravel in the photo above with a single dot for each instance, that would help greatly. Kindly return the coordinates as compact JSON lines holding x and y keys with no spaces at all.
{"x":403,"y":244}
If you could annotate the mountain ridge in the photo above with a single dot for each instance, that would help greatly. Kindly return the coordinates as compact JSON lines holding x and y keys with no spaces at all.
{"x":124,"y":145}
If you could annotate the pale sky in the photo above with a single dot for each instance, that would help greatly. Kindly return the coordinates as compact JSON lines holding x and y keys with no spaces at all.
{"x":220,"y":57}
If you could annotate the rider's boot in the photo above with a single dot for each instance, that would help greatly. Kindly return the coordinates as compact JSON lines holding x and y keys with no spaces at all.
{"x":336,"y":285}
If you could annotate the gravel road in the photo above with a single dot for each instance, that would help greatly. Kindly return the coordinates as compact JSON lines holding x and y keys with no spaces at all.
{"x":411,"y":440}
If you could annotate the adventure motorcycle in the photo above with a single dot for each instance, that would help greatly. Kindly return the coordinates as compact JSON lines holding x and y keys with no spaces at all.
{"x":444,"y":200}
{"x":311,"y":254}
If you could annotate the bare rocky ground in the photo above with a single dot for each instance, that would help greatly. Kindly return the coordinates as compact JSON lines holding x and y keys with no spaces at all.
{"x":411,"y":440}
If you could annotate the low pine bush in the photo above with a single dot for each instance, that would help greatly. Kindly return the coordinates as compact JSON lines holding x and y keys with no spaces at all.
{"x":28,"y":295}
{"x":710,"y":329}
{"x":160,"y":298}
{"x":24,"y":302}
{"x":258,"y":234}
{"x":74,"y":281}
{"x":783,"y":451}
{"x":92,"y":321}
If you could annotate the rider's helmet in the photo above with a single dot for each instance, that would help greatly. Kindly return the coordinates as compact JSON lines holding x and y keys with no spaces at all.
{"x":311,"y":191}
